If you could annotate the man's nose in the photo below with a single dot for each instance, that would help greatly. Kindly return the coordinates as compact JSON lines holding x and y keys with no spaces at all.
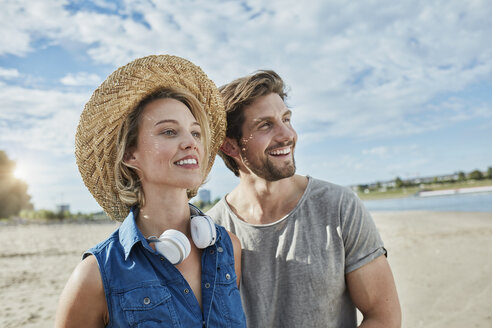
{"x":285,"y":132}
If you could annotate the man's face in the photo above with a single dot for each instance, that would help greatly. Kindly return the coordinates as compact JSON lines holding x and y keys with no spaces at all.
{"x":267,"y":145}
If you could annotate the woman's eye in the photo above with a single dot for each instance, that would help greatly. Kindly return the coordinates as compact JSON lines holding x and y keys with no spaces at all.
{"x":196,"y":134}
{"x":169,"y":132}
{"x":265,"y":125}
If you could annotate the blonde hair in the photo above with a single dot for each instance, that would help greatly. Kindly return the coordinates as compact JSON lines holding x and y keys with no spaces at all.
{"x":128,"y":183}
{"x":241,"y":93}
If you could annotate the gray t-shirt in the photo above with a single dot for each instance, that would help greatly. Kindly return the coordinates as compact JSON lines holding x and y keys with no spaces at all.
{"x":293,"y":270}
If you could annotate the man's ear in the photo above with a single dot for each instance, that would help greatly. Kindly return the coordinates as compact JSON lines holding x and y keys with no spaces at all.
{"x":230,"y":147}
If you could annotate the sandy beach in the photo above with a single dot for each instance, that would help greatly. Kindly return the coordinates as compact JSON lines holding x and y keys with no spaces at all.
{"x":441,"y":262}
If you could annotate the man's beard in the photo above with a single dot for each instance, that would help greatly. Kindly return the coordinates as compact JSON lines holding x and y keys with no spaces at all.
{"x":267,"y":170}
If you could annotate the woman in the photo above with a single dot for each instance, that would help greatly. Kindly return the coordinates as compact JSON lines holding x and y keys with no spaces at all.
{"x":146,"y":140}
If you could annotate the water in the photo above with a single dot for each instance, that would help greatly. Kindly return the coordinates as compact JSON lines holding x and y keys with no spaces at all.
{"x":479,"y":202}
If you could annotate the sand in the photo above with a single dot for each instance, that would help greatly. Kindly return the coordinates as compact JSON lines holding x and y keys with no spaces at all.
{"x":442,"y":263}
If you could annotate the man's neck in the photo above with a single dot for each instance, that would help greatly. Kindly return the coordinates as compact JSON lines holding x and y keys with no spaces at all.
{"x":258,"y":201}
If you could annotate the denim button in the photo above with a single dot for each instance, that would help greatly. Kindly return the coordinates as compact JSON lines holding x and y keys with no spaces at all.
{"x":162,"y":259}
{"x":212,"y":251}
{"x":186,"y":291}
{"x":146,"y":301}
{"x":207,"y":285}
{"x":219,"y":249}
{"x":228,"y":276}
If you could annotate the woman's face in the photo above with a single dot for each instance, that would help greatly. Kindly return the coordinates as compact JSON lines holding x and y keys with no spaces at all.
{"x":169,"y":150}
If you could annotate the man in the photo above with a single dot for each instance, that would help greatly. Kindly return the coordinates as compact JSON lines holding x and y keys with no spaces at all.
{"x":311,"y":252}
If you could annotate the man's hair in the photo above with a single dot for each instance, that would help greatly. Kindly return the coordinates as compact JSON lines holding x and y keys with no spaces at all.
{"x":241,"y":93}
{"x":128,"y":183}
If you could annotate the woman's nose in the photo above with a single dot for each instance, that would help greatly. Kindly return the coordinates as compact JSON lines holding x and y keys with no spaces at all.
{"x":189,"y":141}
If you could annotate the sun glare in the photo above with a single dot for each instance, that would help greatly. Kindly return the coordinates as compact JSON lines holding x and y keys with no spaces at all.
{"x":21,"y":173}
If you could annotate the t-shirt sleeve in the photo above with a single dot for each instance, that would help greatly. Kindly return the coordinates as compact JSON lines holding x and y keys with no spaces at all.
{"x":360,"y":236}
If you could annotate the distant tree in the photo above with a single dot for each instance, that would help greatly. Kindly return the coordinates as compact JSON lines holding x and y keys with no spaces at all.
{"x":398,"y":182}
{"x":13,"y":192}
{"x":200,"y":204}
{"x":461,"y":176}
{"x":205,"y":206}
{"x":489,"y":172}
{"x":476,"y":175}
{"x":47,"y":214}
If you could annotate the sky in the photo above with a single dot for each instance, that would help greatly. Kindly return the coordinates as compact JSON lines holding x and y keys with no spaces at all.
{"x":378,"y":88}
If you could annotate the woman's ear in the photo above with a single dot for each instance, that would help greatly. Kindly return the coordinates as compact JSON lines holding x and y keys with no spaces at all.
{"x":129,"y":158}
{"x":230,"y":147}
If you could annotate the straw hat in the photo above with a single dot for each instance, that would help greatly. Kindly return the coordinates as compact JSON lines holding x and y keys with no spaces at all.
{"x":115,"y":98}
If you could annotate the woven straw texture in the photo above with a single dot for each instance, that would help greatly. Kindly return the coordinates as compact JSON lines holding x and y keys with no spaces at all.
{"x":115,"y":98}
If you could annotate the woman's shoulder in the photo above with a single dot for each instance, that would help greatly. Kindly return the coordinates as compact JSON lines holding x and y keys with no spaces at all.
{"x":87,"y":272}
{"x":86,"y":278}
{"x":83,"y":298}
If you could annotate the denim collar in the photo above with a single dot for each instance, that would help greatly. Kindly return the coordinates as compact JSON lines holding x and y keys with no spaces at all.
{"x":129,"y":234}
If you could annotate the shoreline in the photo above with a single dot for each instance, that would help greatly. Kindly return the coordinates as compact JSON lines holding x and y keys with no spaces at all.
{"x":405,"y":192}
{"x":456,"y":191}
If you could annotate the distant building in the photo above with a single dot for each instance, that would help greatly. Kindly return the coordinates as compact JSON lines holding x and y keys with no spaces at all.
{"x":204,"y":195}
{"x":61,"y":208}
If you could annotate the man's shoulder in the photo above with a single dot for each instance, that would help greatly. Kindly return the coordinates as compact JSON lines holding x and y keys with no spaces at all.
{"x":327,"y":196}
{"x":318,"y":185}
{"x":217,"y":207}
{"x":219,"y":211}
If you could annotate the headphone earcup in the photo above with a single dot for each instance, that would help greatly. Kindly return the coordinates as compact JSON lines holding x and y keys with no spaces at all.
{"x":174,"y":245}
{"x":203,"y":231}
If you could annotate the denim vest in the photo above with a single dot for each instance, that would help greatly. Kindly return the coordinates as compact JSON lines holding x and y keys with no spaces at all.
{"x":143,"y":289}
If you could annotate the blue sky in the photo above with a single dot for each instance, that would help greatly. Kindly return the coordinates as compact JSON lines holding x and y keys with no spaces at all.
{"x":378,"y":89}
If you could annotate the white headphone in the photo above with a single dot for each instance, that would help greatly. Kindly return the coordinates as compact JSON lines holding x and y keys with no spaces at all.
{"x":175,"y":246}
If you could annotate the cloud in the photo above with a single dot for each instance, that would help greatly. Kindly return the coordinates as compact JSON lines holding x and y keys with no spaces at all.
{"x":361,"y":75}
{"x":23,"y":22}
{"x":37,"y":129}
{"x":80,"y":79}
{"x":39,"y":119}
{"x":379,"y":151}
{"x":9,"y":73}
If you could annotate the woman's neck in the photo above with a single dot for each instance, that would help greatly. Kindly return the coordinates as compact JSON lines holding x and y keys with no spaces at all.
{"x":163,"y":211}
